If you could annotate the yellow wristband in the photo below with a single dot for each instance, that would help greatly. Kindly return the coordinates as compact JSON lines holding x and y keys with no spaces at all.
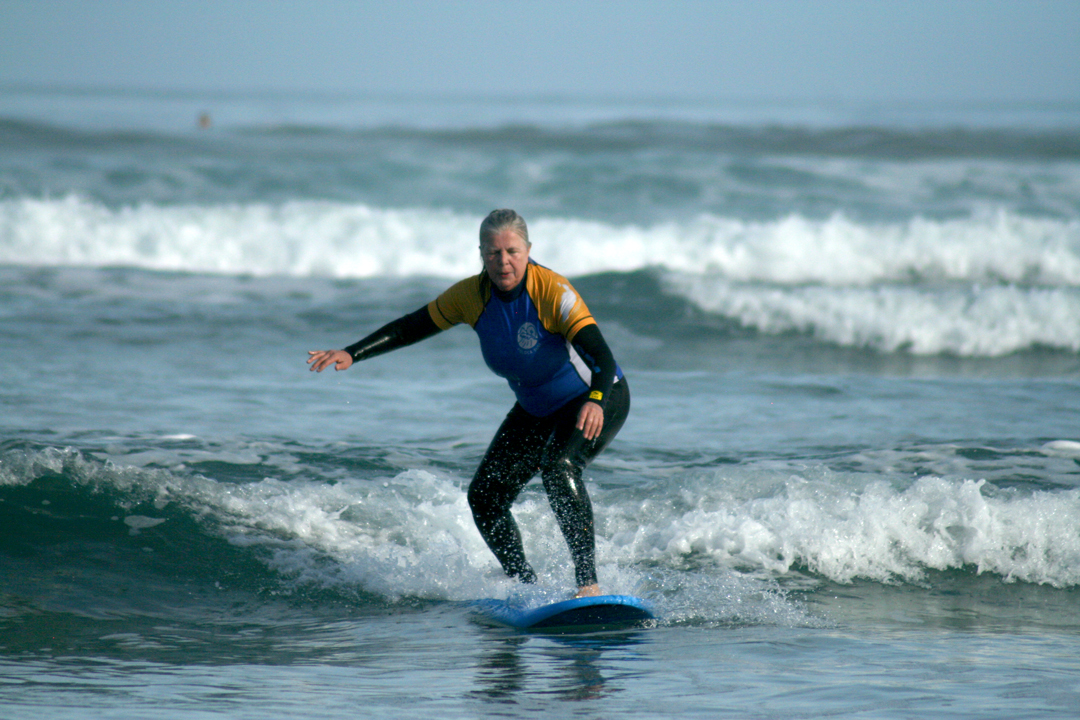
{"x":596,"y":395}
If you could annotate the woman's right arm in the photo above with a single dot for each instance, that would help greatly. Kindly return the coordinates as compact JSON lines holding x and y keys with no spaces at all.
{"x":412,"y":328}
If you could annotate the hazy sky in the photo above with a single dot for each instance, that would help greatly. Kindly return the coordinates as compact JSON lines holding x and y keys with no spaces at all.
{"x":982,"y":50}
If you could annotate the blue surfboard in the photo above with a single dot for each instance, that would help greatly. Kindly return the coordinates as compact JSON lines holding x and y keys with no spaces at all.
{"x":587,"y":614}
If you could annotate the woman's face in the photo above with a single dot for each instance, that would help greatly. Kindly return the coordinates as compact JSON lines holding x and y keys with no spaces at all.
{"x":505,"y":258}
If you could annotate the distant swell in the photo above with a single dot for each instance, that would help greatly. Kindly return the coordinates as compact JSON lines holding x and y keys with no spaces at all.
{"x":875,"y":142}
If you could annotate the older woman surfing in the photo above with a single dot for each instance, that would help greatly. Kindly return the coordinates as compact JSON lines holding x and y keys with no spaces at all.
{"x":572,"y":398}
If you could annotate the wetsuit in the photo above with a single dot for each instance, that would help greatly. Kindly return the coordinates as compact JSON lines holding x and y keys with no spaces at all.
{"x":541,"y":337}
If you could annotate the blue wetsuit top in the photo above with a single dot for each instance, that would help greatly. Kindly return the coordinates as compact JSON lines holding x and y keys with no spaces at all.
{"x":540,"y":336}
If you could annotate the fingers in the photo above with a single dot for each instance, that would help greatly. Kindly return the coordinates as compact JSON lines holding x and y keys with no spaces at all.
{"x":319,"y":360}
{"x":590,"y":420}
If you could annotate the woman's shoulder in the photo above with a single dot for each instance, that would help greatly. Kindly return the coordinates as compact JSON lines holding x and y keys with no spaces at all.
{"x":561,"y":308}
{"x":461,"y":302}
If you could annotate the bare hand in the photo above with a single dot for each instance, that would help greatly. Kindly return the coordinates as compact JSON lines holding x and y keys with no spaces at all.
{"x":590,"y":420}
{"x":319,"y":360}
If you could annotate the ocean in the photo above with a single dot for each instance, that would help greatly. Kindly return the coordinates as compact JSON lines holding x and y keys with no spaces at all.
{"x":849,"y":483}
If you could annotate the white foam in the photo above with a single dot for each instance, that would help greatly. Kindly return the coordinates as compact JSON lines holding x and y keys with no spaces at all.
{"x":966,"y":321}
{"x":412,"y":535}
{"x":305,"y":238}
{"x":301,"y":238}
{"x":873,"y":532}
{"x":994,"y":247}
{"x":1062,"y":448}
{"x":987,"y":285}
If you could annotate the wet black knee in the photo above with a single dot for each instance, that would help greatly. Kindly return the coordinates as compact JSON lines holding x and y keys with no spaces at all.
{"x":485,"y":505}
{"x":563,"y":483}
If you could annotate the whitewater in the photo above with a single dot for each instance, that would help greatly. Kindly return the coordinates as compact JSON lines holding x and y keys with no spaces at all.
{"x":984,"y":286}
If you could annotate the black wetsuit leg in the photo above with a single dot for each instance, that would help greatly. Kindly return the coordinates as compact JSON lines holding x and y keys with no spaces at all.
{"x":553,"y":446}
{"x":562,"y":467}
{"x":509,"y":463}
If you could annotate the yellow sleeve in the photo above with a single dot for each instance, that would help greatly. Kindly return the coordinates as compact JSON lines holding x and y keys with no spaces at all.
{"x":561,"y":309}
{"x":462,"y":302}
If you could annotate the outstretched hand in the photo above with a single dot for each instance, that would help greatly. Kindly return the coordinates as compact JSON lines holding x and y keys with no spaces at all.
{"x":319,"y":360}
{"x":590,"y":420}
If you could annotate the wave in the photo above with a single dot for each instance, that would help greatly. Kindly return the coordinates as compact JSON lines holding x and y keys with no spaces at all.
{"x":964,"y":322}
{"x":869,"y":141}
{"x":876,"y":532}
{"x":791,"y":141}
{"x":982,"y":286}
{"x":346,"y":240}
{"x":410,"y":534}
{"x":306,"y":239}
{"x":620,"y":172}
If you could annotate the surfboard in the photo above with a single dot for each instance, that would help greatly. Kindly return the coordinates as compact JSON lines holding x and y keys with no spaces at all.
{"x":587,"y":614}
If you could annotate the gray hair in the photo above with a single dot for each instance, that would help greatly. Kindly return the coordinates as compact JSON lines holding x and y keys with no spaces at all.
{"x":499,"y":220}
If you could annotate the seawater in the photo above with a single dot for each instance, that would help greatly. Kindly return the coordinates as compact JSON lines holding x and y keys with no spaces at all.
{"x":850,"y":482}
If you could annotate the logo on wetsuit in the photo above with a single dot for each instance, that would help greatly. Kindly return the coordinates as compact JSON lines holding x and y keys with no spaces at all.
{"x":527,"y":337}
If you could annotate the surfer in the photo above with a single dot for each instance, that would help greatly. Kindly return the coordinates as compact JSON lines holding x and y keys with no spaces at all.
{"x":572,"y":398}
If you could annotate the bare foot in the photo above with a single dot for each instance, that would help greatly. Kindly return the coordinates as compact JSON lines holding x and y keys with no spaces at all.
{"x":588,"y":591}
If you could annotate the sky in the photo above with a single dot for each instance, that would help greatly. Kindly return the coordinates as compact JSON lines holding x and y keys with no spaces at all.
{"x":877,"y":50}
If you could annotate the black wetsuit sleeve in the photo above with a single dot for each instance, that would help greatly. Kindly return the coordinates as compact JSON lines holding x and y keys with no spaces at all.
{"x":406,"y":330}
{"x":591,"y":342}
